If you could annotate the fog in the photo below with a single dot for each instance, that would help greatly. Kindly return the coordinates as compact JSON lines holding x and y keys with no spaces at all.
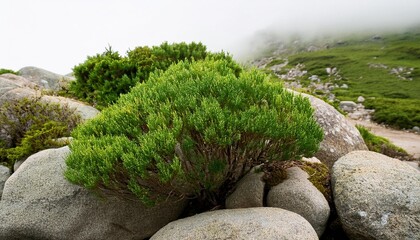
{"x":58,"y":34}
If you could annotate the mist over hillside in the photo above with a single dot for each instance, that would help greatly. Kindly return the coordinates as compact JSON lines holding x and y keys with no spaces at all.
{"x":57,"y":35}
{"x":381,"y":68}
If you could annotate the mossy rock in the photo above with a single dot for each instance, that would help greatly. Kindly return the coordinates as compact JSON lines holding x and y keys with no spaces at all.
{"x":319,"y":175}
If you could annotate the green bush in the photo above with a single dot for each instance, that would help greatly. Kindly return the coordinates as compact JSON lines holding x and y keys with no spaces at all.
{"x":28,"y":125}
{"x":102,"y":78}
{"x":191,"y":131}
{"x":3,"y":71}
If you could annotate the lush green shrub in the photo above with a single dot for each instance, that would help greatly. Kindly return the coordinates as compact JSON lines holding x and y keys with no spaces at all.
{"x":28,"y":125}
{"x":3,"y":71}
{"x":381,"y":144}
{"x":102,"y":78}
{"x":191,"y":131}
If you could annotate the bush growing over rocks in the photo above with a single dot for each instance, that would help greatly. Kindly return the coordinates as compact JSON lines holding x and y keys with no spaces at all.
{"x":191,"y":132}
{"x":28,"y":125}
{"x":102,"y":78}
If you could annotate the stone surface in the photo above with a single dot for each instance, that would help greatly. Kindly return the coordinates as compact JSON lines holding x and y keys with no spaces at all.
{"x":249,"y":192}
{"x":4,"y":175}
{"x":311,"y":160}
{"x":10,"y":83}
{"x":348,"y":106}
{"x":38,"y":203}
{"x":245,"y":223}
{"x":297,"y":194}
{"x":44,"y":79}
{"x":376,"y":197}
{"x":413,"y":164}
{"x":85,"y":111}
{"x":17,"y":165}
{"x":16,"y":87}
{"x":340,"y":136}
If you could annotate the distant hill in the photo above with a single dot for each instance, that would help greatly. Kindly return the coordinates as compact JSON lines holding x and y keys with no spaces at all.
{"x":383,"y":68}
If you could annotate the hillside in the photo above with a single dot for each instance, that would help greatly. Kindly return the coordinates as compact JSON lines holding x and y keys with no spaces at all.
{"x":384,"y":69}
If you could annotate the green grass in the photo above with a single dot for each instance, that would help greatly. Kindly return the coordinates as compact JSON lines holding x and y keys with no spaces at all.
{"x":361,"y":64}
{"x":382,"y":145}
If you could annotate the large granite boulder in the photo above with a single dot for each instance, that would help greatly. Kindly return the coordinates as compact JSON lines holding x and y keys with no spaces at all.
{"x":340,"y":136}
{"x":376,"y":197}
{"x":86,"y":112}
{"x":297,"y":194}
{"x":10,"y":83}
{"x":4,"y":175}
{"x":38,"y":203}
{"x":45,"y":79}
{"x":244,"y":223}
{"x":15,"y":87}
{"x":249,"y":191}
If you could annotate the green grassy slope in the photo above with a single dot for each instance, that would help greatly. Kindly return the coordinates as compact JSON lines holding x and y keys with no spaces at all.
{"x":385,"y":70}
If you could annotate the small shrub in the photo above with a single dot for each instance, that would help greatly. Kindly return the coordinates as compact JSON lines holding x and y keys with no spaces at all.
{"x":191,"y":131}
{"x":3,"y":71}
{"x":28,"y":125}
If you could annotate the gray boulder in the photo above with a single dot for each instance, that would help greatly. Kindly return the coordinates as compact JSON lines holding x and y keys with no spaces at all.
{"x":17,"y":164}
{"x":45,"y":79}
{"x":4,"y":175}
{"x":376,"y":197}
{"x":348,"y":106}
{"x":244,"y":223}
{"x":297,"y":194}
{"x":361,"y":99}
{"x":38,"y":203}
{"x":16,"y":87}
{"x":249,"y":192}
{"x":10,"y":83}
{"x":340,"y":136}
{"x":85,"y":111}
{"x":413,"y":164}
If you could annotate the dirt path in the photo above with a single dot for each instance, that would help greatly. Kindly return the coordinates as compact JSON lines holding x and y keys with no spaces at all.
{"x":406,"y":140}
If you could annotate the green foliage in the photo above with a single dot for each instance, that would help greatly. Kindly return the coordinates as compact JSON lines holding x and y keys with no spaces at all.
{"x":28,"y":125}
{"x":369,"y":68}
{"x":102,"y":78}
{"x":398,"y":113}
{"x":381,"y":144}
{"x":319,"y":176}
{"x":191,"y":131}
{"x":3,"y":71}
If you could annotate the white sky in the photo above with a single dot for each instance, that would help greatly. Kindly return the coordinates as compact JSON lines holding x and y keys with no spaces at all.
{"x":58,"y":34}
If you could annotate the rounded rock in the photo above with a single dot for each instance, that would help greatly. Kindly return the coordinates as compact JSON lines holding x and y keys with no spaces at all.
{"x":297,"y":194}
{"x":245,"y":223}
{"x":377,"y":197}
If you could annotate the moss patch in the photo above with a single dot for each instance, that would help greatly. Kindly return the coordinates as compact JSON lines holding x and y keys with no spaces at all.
{"x":319,"y":175}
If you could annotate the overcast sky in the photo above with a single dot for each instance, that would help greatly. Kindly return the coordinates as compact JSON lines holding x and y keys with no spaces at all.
{"x":58,"y":34}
